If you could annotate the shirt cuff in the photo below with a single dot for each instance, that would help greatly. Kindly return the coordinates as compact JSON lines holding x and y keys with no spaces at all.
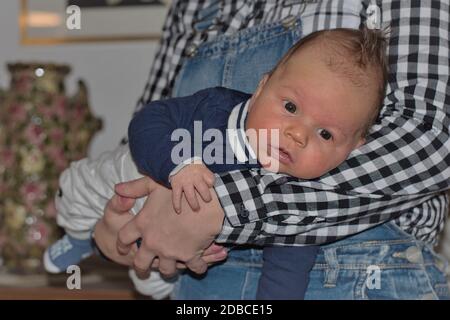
{"x":194,"y":160}
{"x":240,"y":199}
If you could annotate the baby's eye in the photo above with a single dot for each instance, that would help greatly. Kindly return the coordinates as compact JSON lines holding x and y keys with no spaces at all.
{"x":290,"y":107}
{"x":326,"y":135}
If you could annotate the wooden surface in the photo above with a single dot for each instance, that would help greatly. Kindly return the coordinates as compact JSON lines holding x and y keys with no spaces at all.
{"x":99,"y":280}
{"x":49,"y":293}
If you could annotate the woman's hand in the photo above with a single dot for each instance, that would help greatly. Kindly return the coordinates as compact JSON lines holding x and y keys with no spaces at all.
{"x":106,"y":231}
{"x":117,"y":215}
{"x":165,"y":234}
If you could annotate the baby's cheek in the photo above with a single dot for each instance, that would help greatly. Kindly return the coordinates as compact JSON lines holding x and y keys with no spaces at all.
{"x":334,"y":161}
{"x":320,"y":164}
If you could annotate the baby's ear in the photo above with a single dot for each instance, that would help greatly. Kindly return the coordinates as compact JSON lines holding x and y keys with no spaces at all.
{"x":263,"y":81}
{"x":260,"y":86}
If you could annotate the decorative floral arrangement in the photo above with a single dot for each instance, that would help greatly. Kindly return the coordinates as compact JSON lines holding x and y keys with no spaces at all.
{"x":41,"y":132}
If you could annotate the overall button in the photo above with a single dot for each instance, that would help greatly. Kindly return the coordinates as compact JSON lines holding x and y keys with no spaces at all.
{"x":289,"y":22}
{"x":413,"y":255}
{"x":191,"y":50}
{"x":243,"y":212}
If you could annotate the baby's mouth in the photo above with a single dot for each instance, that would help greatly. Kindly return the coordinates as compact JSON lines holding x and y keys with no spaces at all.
{"x":282,"y":155}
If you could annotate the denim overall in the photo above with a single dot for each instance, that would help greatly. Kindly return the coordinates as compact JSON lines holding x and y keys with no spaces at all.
{"x":381,"y":263}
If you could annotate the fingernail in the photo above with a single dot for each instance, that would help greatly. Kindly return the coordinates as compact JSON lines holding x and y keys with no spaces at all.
{"x":220,"y":254}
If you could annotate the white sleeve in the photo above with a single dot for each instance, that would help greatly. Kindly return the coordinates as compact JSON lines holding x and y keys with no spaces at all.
{"x":87,"y":185}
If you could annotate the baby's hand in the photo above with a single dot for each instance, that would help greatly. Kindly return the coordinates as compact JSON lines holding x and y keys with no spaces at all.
{"x":193,"y":177}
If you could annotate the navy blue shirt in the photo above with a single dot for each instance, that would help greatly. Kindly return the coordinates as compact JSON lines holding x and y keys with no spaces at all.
{"x":152,"y":141}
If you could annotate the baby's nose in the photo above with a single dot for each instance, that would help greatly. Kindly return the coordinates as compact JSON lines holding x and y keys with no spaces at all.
{"x":298,"y":135}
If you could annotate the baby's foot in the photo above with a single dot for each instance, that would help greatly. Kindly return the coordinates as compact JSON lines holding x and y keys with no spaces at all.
{"x":65,"y":252}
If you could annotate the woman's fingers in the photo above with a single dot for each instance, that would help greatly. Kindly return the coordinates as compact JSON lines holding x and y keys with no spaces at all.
{"x":127,"y":236}
{"x":214,"y":253}
{"x":197,"y":265}
{"x":215,"y":257}
{"x":167,"y":267}
{"x":142,"y":262}
{"x":118,"y":205}
{"x":181,"y":265}
{"x":138,"y":188}
{"x":212,"y":249}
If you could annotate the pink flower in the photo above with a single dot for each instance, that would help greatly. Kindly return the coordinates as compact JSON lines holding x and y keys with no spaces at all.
{"x":23,"y":82}
{"x":38,"y":233}
{"x":33,"y":192}
{"x":60,"y":107}
{"x":57,"y":156}
{"x":7,"y":158}
{"x":45,"y":111}
{"x":79,"y":112}
{"x":56,"y":135}
{"x":35,"y":134}
{"x":17,"y":113}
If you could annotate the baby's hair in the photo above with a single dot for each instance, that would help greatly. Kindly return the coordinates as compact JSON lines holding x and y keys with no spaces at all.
{"x":364,"y":49}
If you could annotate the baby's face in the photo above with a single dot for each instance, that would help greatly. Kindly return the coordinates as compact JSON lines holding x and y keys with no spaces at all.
{"x":320,"y":117}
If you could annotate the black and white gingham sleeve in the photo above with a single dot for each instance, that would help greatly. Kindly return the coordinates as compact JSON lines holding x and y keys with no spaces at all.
{"x":176,"y":34}
{"x":404,"y":164}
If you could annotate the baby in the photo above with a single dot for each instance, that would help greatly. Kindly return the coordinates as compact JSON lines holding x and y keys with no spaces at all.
{"x":304,"y":119}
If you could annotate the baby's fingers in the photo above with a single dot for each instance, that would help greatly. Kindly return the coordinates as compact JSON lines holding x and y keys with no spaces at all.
{"x":203,"y":190}
{"x":176,"y":198}
{"x":209,"y":178}
{"x":191,"y":198}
